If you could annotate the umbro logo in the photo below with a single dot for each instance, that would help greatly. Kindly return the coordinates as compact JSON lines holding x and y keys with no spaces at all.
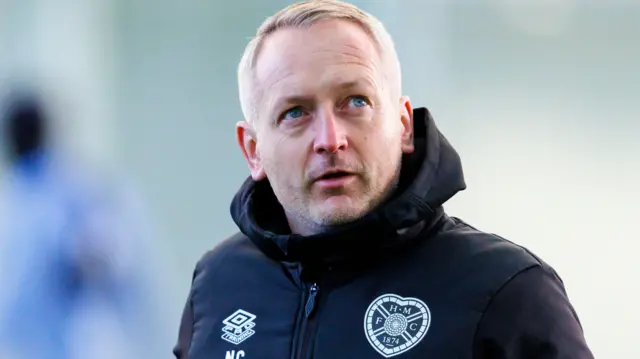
{"x":238,"y":327}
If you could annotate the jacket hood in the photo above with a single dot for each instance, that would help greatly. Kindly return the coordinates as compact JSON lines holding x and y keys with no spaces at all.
{"x":430,"y":176}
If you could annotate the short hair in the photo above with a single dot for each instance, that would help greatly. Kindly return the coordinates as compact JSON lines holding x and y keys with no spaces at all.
{"x":25,"y":124}
{"x":303,"y":15}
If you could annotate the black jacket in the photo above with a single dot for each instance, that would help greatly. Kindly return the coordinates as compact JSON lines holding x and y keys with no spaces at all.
{"x":406,"y":280}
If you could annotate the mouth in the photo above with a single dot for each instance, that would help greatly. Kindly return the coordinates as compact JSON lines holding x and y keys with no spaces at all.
{"x":334,"y":179}
{"x":334,"y":175}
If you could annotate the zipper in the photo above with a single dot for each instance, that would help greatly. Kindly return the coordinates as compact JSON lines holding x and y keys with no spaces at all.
{"x":311,"y":300}
{"x":307,"y":323}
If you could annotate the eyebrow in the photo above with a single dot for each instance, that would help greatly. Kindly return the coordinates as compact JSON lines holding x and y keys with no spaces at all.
{"x":349,"y":85}
{"x":282,"y":102}
{"x":343,"y":86}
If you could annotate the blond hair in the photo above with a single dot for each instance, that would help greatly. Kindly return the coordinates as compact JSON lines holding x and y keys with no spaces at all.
{"x":303,"y":15}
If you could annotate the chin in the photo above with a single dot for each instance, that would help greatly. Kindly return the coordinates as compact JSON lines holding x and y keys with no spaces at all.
{"x":337,"y":211}
{"x":336,"y":219}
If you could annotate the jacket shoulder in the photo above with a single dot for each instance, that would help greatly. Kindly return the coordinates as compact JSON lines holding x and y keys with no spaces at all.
{"x":228,"y":250}
{"x":483,"y":261}
{"x":490,"y":248}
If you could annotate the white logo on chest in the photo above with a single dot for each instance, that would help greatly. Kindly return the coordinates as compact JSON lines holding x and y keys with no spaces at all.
{"x":238,"y":327}
{"x":394,"y":324}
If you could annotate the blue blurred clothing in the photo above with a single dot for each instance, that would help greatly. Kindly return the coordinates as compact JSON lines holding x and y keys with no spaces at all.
{"x":37,"y":271}
{"x":68,"y":241}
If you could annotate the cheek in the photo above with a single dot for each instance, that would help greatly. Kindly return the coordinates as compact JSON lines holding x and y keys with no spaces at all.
{"x":284,"y":161}
{"x":381,"y":139}
{"x":383,"y":151}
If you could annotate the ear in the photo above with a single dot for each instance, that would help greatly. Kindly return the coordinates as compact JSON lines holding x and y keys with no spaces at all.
{"x":406,"y":117}
{"x":248,"y":142}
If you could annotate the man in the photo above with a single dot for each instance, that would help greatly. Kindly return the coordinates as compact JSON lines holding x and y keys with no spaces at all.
{"x":70,"y":244}
{"x":344,"y":249}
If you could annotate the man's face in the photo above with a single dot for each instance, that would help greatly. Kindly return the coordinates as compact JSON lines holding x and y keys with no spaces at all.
{"x":329,"y":134}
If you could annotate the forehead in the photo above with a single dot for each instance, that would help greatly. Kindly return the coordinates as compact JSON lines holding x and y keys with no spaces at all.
{"x":327,"y":52}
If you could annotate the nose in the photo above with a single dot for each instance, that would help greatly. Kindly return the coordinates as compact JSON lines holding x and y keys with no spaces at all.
{"x":330,"y":136}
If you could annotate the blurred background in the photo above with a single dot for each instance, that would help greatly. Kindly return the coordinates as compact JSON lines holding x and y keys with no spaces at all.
{"x":538,"y":96}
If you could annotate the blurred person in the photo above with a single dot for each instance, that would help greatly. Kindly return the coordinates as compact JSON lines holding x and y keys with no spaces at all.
{"x":74,"y":261}
{"x":344,"y":249}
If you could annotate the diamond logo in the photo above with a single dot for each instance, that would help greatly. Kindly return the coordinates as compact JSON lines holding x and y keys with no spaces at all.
{"x":238,"y":327}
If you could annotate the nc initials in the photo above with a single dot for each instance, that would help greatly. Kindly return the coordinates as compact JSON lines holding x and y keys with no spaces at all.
{"x":233,"y":355}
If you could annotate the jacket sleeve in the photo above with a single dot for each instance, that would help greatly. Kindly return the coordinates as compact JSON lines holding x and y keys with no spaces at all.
{"x":531,"y":318}
{"x":181,"y":349}
{"x":185,"y":332}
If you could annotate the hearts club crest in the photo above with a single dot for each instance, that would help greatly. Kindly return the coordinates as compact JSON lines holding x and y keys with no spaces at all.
{"x":394,"y":325}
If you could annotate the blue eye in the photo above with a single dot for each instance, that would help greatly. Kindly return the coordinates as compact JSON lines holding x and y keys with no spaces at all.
{"x":293,"y":114}
{"x":358,"y":101}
